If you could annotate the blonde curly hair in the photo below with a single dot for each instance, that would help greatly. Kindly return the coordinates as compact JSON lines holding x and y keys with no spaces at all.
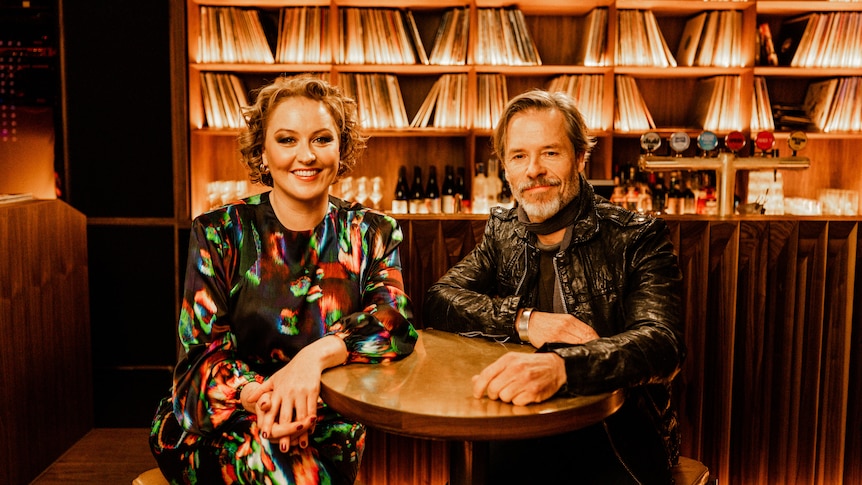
{"x":342,"y":108}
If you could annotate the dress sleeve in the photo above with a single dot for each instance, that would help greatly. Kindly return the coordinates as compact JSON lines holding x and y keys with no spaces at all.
{"x":209,"y":377}
{"x":382,"y":330}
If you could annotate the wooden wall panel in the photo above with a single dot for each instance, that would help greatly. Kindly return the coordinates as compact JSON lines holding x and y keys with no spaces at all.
{"x":783,"y":248}
{"x":772,"y":327}
{"x":719,"y":331}
{"x":430,"y":248}
{"x":399,"y":460}
{"x":752,"y":390}
{"x":692,"y":245}
{"x":44,"y":336}
{"x":807,"y":351}
{"x":835,"y":366}
{"x":853,"y":438}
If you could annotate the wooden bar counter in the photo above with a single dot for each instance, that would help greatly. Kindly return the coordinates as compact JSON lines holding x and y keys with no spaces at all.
{"x":769,"y":391}
{"x":45,"y":363}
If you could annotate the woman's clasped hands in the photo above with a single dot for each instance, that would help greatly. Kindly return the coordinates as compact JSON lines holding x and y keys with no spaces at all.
{"x":286,"y":403}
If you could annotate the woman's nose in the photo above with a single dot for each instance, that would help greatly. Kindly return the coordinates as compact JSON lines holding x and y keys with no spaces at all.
{"x":306,"y":154}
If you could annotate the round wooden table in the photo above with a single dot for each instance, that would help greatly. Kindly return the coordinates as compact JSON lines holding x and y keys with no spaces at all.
{"x":428,"y":394}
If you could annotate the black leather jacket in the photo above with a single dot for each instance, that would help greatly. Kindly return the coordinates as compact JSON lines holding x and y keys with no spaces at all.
{"x":619,"y":275}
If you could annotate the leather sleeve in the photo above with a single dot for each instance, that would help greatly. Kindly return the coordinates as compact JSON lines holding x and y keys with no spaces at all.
{"x":467,"y":298}
{"x":650,"y":349}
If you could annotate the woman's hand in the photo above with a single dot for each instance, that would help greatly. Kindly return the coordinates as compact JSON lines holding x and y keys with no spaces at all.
{"x":286,"y":403}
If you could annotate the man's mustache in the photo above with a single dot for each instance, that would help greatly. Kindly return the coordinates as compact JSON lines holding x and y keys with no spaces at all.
{"x":539,"y":182}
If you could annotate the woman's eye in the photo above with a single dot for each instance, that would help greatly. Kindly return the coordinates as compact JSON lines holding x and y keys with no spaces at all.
{"x":323,"y":140}
{"x":286,"y":140}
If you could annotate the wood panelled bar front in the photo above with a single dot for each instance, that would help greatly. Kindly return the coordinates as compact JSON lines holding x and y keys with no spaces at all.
{"x":774,"y":335}
{"x":45,"y":363}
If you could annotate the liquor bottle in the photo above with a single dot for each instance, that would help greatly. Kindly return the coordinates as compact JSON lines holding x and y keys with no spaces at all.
{"x":632,"y":197}
{"x":493,"y":182}
{"x":633,"y":192}
{"x":447,"y":194}
{"x":432,"y":192}
{"x":618,"y":197}
{"x":480,"y":187}
{"x":689,"y":200}
{"x":674,"y":196}
{"x":462,"y":195}
{"x":416,"y":204}
{"x":659,"y":194}
{"x":402,"y":192}
{"x":707,"y":202}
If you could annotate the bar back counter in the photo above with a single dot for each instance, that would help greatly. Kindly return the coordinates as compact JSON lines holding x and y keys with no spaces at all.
{"x":774,"y":335}
{"x":768,"y":394}
{"x":45,"y":360}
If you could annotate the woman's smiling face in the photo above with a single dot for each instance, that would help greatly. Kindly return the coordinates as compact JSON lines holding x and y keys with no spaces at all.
{"x":301,"y":149}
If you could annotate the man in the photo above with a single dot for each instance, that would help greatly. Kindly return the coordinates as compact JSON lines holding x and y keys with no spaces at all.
{"x":594,"y":287}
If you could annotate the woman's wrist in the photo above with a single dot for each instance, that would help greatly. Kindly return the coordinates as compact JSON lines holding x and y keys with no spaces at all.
{"x":243,"y":392}
{"x":330,"y":351}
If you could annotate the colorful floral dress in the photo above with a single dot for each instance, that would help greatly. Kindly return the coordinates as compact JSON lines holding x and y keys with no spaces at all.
{"x":255,"y":294}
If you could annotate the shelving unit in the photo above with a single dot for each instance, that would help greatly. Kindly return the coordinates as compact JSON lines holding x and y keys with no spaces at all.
{"x":710,"y":249}
{"x":556,"y":28}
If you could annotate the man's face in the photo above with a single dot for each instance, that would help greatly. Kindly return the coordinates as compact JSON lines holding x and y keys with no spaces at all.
{"x":541,"y":164}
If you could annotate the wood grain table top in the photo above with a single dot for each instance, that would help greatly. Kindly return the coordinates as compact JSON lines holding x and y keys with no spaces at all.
{"x":428,"y":394}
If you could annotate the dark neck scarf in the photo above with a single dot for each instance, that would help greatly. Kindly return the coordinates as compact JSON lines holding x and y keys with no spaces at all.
{"x":565,"y":217}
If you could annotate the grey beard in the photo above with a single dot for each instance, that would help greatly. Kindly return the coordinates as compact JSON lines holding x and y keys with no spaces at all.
{"x":542,"y":211}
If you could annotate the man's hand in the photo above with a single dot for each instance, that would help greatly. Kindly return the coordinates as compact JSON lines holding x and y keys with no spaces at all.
{"x":520,"y":378}
{"x":559,"y":327}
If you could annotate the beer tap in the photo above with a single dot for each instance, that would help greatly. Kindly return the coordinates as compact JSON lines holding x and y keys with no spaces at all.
{"x":727,"y":162}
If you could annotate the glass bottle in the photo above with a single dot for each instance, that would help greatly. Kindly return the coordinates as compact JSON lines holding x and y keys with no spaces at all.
{"x":402,"y":193}
{"x":659,"y":194}
{"x":447,"y":193}
{"x":462,"y":195}
{"x":432,"y":192}
{"x":416,"y":203}
{"x":480,"y":187}
{"x":674,"y":196}
{"x":689,"y":200}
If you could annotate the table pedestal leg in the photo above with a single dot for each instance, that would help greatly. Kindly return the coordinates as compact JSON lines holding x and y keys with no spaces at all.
{"x":468,"y":462}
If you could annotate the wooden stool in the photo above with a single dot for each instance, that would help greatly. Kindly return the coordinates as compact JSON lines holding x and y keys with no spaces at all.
{"x":690,"y":472}
{"x":150,"y":477}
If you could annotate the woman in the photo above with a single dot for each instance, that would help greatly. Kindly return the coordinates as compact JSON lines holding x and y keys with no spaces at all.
{"x":280,"y":287}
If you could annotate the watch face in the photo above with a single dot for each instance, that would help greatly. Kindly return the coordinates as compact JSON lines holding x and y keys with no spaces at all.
{"x":707,"y":141}
{"x":650,"y":141}
{"x":765,"y":140}
{"x":734,"y":141}
{"x":797,"y":140}
{"x":680,"y":141}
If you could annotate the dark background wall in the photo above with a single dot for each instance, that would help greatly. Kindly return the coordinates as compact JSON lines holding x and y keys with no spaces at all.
{"x":117,"y":90}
